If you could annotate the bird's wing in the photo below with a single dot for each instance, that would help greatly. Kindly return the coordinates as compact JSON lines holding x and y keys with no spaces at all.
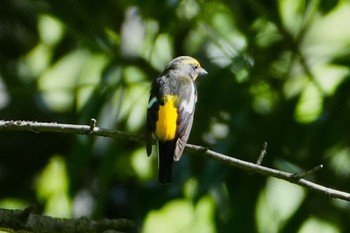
{"x":185,"y":118}
{"x":152,"y":117}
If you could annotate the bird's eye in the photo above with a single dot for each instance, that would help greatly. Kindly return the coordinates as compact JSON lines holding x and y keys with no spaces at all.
{"x":195,"y":67}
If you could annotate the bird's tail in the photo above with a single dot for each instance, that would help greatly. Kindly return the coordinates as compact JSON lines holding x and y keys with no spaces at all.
{"x":166,"y":157}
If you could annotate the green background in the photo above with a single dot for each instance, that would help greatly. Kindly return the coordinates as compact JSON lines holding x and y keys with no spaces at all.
{"x":278,"y":72}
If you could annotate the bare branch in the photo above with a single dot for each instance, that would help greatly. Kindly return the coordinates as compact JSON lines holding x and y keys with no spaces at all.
{"x":199,"y":150}
{"x":38,"y":127}
{"x":255,"y":168}
{"x":25,"y":220}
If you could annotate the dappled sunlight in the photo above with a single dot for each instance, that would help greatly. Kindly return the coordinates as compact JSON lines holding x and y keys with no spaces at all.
{"x":52,"y":189}
{"x":277,"y":73}
{"x":318,"y":225}
{"x":182,"y":216}
{"x":276,"y":204}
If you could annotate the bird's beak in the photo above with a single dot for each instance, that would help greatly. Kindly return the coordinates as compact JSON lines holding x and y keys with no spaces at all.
{"x":202,"y":71}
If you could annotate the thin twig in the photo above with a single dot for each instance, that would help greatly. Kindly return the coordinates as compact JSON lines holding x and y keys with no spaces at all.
{"x":309,"y":172}
{"x":262,"y":154}
{"x":92,"y":124}
{"x":199,"y":150}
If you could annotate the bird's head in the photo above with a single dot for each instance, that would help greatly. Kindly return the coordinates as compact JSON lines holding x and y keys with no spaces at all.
{"x":186,"y":65}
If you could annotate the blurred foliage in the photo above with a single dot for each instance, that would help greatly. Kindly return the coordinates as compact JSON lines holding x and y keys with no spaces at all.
{"x":278,"y":72}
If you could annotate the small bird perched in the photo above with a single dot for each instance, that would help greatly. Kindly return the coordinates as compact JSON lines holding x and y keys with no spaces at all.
{"x":170,"y":112}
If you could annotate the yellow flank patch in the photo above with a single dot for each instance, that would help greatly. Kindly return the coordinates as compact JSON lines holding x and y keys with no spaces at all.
{"x":167,"y":117}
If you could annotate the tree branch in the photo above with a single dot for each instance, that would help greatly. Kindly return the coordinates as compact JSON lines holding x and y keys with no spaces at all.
{"x":26,"y":221}
{"x":255,"y":168}
{"x":38,"y":127}
{"x":199,"y":150}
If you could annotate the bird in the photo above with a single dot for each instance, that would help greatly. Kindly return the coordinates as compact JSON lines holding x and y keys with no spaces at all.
{"x":170,"y":111}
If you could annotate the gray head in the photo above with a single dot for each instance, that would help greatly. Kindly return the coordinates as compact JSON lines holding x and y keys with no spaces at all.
{"x":186,"y":65}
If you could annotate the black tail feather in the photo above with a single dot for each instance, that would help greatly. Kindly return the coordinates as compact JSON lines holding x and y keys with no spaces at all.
{"x":166,"y":158}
